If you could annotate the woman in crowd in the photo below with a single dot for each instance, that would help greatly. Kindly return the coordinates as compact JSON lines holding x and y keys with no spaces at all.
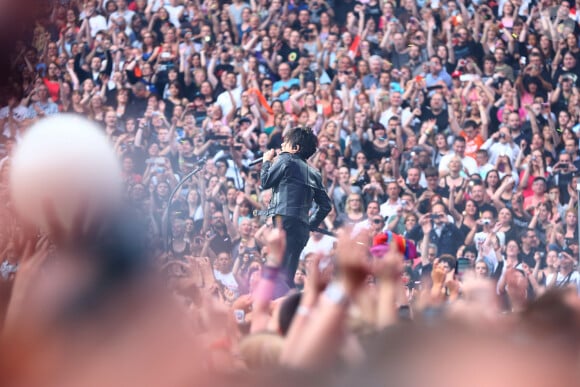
{"x":353,"y":210}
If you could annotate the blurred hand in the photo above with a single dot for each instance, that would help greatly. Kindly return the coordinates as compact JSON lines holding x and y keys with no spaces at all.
{"x":276,"y":242}
{"x":352,"y":252}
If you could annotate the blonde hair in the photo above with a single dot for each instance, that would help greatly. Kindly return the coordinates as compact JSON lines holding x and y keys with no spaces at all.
{"x":261,"y":351}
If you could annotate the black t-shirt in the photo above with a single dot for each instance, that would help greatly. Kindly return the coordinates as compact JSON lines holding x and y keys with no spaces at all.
{"x":136,"y":107}
{"x":374,"y":12}
{"x":341,"y":9}
{"x":442,"y":119}
{"x":375,"y":154}
{"x":486,"y":207}
{"x":221,"y":243}
{"x":528,"y":258}
{"x":289,"y":55}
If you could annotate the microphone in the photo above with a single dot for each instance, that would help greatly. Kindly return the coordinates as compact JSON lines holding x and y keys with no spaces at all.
{"x":256,"y":162}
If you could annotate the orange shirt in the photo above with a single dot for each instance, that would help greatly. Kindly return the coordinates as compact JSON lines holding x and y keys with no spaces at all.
{"x":472,"y":145}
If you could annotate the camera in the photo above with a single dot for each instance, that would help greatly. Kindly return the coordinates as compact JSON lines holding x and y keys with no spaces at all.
{"x":217,"y":137}
{"x":434,"y":216}
{"x":486,"y":221}
{"x":502,"y":135}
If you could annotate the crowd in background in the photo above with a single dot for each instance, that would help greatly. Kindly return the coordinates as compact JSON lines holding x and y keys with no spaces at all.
{"x":453,"y":123}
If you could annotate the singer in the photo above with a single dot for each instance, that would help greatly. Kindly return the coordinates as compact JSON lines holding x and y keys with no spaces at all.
{"x":294,"y":186}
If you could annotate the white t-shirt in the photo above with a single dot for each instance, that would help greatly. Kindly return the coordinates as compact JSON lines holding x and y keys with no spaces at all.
{"x":496,"y":149}
{"x":127,"y":15}
{"x":97,"y":23}
{"x":563,"y":281}
{"x":322,"y":246}
{"x":227,"y":280}
{"x":174,"y":13}
{"x":225,"y":102}
{"x":389,"y":209}
{"x":19,"y":114}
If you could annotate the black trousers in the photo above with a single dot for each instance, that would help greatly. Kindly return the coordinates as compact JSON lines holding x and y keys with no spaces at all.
{"x":297,"y":234}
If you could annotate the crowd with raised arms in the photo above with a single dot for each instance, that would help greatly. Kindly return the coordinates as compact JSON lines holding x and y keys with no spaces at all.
{"x":454,"y":124}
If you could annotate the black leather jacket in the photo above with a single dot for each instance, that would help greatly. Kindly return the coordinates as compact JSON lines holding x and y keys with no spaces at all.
{"x":294,"y":185}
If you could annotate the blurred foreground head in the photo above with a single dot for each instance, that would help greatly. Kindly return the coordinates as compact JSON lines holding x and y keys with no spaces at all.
{"x":66,"y":182}
{"x":65,"y":166}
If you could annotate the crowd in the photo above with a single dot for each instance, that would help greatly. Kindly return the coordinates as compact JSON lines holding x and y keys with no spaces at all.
{"x":455,"y":124}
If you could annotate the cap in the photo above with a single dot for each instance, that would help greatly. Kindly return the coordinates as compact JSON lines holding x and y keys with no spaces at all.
{"x":456,"y":74}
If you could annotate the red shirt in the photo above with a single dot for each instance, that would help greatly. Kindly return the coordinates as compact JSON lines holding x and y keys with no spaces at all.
{"x":53,"y":89}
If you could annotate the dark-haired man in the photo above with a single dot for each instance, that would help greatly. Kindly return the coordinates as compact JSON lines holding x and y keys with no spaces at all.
{"x":294,"y":186}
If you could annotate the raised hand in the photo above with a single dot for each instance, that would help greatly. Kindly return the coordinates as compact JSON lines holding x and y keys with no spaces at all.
{"x":352,"y":252}
{"x":276,"y":242}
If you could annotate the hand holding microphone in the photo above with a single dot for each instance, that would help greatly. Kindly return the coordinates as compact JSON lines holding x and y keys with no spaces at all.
{"x":269,"y":155}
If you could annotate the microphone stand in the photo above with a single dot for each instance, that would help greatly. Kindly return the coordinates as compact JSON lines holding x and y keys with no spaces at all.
{"x":168,"y":231}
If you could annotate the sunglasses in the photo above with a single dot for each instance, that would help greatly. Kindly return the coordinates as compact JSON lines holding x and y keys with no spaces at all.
{"x":377,"y":221}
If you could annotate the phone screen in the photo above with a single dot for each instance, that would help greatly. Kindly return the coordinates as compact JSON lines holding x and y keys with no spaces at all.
{"x":461,"y":266}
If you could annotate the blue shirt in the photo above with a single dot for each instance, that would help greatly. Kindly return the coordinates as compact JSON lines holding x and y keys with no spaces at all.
{"x":431,"y":80}
{"x":287,"y":84}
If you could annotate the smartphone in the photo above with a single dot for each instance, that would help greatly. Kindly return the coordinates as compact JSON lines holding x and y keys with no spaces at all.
{"x":434,"y":216}
{"x":461,"y":266}
{"x":466,"y":77}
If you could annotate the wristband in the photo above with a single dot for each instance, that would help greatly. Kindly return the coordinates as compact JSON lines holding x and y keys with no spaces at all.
{"x":336,"y":294}
{"x":270,"y":273}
